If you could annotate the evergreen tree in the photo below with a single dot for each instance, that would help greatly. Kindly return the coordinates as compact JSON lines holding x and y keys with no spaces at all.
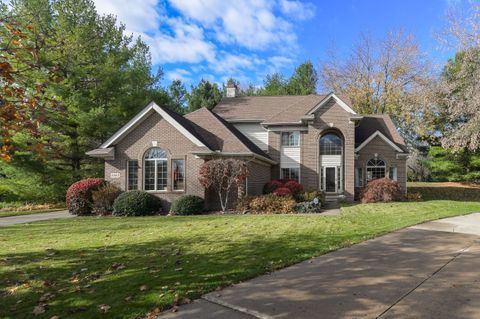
{"x":304,"y":80}
{"x":205,"y":94}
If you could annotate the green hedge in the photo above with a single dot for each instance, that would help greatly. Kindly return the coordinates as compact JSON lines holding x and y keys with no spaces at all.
{"x":136,"y":203}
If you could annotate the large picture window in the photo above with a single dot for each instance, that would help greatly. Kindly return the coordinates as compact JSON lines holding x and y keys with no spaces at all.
{"x":291,"y":138}
{"x":330,"y":144}
{"x":132,"y":173}
{"x":375,"y":169}
{"x":178,"y":172}
{"x":155,"y":169}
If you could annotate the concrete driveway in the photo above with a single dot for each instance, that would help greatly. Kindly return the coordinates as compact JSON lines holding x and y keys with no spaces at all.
{"x":12,"y":220}
{"x":426,"y":271}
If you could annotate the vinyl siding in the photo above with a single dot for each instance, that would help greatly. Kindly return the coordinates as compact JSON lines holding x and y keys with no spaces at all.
{"x":255,"y":133}
{"x":290,"y":157}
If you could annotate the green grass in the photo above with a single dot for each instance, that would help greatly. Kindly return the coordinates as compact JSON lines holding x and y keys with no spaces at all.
{"x":174,"y":256}
{"x":28,"y":212}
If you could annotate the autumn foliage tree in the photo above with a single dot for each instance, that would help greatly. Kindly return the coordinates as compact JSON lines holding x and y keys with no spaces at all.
{"x":223,"y":176}
{"x":24,"y":79}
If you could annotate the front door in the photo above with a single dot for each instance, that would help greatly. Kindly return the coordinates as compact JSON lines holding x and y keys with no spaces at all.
{"x":330,"y":180}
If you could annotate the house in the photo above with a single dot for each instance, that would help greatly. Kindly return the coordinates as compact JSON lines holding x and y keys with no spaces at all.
{"x":318,"y":140}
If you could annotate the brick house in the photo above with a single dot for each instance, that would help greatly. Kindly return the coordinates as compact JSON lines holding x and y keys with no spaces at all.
{"x":315,"y":139}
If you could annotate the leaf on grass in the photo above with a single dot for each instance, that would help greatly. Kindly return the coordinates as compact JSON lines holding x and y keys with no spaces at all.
{"x":104,"y":308}
{"x":38,"y":310}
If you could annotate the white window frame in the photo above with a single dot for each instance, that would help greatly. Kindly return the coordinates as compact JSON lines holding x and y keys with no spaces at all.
{"x":359,"y":177}
{"x":293,"y":139}
{"x":384,"y":166}
{"x":156,"y":162}
{"x":128,"y":174}
{"x":392,"y":173}
{"x":290,"y":168}
{"x":183,"y":173}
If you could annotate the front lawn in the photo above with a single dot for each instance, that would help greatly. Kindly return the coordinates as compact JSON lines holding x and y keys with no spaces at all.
{"x":79,"y":268}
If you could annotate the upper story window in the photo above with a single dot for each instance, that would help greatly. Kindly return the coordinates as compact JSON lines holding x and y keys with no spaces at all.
{"x":291,"y":138}
{"x":376,"y":168}
{"x":155,"y":169}
{"x":331,"y":144}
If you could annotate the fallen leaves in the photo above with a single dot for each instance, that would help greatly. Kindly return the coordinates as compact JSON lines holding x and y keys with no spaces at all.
{"x":104,"y":308}
{"x":38,"y":310}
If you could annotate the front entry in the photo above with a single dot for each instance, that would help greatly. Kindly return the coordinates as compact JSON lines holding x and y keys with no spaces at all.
{"x":330,"y":184}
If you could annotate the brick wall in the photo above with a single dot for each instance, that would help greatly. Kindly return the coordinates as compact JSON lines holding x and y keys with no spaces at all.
{"x":331,"y":117}
{"x":134,"y":145}
{"x":258,"y":177}
{"x":388,"y":154}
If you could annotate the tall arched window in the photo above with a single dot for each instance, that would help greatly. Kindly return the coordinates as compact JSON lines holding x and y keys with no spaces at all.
{"x":376,"y":168}
{"x":330,"y":144}
{"x":155,"y":169}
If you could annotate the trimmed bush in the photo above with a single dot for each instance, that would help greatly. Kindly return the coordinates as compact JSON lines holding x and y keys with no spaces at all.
{"x":188,"y":205}
{"x":308,"y":208}
{"x":79,"y":196}
{"x":271,"y":186}
{"x":103,"y":199}
{"x":381,"y":190}
{"x":272,"y":204}
{"x":295,"y":187}
{"x":136,"y":203}
{"x":282,"y":191}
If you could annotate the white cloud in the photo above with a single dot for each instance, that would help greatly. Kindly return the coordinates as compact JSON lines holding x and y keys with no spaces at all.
{"x":178,"y":74}
{"x":297,"y":9}
{"x":252,"y":24}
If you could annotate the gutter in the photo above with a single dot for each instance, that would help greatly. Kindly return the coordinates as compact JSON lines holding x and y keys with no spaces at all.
{"x":244,"y":154}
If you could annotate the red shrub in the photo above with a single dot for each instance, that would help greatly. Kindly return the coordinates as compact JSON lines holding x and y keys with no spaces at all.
{"x":381,"y":190}
{"x":79,"y":195}
{"x":294,"y":187}
{"x":282,"y":191}
{"x":271,"y":186}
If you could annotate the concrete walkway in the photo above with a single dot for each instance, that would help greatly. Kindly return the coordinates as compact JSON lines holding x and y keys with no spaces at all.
{"x":426,"y":271}
{"x":12,"y":220}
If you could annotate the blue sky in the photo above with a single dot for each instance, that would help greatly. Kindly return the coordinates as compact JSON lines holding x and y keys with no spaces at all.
{"x":247,"y":39}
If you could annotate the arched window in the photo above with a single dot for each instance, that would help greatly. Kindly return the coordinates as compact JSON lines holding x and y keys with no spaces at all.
{"x":155,"y":169}
{"x":376,"y":168}
{"x":330,"y":144}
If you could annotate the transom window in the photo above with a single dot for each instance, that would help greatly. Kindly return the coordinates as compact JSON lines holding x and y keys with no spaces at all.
{"x":291,"y":138}
{"x":375,"y":169}
{"x":155,"y":169}
{"x":330,"y":144}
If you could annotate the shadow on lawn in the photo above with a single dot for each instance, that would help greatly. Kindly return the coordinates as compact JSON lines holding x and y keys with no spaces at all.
{"x":80,"y":279}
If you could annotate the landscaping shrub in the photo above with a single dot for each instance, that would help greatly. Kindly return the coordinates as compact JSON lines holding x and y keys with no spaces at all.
{"x":282,"y":191}
{"x":413,"y":197}
{"x":6,"y":194}
{"x":243,"y":203}
{"x":188,"y":205}
{"x":308,"y":207}
{"x":295,"y":187}
{"x":103,"y":199}
{"x":271,"y":186}
{"x":381,"y":190}
{"x":272,"y":204}
{"x":309,"y":196}
{"x":79,"y":196}
{"x":136,"y":203}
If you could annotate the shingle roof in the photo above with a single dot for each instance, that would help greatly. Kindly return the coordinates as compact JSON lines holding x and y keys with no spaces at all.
{"x":266,"y":108}
{"x":219,"y":134}
{"x":383,"y":123}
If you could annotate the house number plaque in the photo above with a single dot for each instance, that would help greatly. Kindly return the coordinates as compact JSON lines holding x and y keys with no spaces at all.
{"x":114,"y":175}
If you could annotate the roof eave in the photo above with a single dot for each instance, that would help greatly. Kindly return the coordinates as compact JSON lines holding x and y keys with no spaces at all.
{"x":235,"y":154}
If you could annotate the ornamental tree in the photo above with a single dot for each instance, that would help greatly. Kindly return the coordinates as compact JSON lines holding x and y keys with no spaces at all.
{"x":223,"y":176}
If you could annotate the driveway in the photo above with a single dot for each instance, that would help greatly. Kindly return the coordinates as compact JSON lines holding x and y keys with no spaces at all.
{"x":12,"y":220}
{"x":426,"y":271}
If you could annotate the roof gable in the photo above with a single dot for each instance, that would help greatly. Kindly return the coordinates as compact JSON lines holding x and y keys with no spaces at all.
{"x":174,"y":119}
{"x":383,"y":137}
{"x":370,"y":124}
{"x":327,"y":98}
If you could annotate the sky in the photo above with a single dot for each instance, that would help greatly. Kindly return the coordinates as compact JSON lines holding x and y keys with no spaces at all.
{"x":247,"y":39}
